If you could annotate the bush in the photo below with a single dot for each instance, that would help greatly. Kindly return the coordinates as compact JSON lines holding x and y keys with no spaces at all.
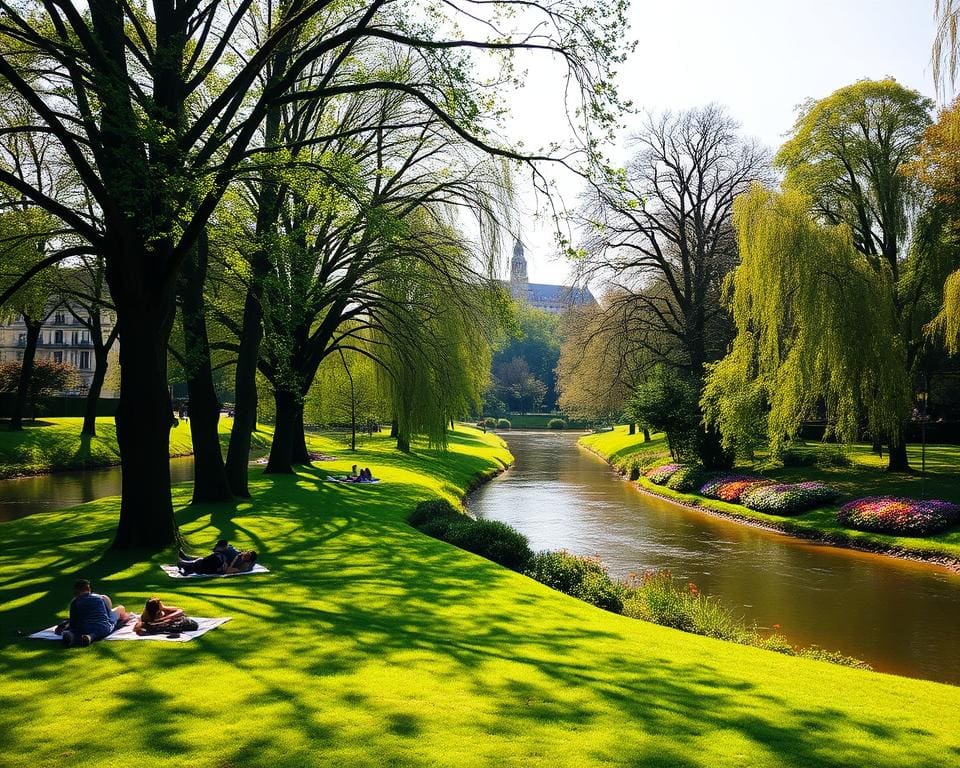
{"x":798,"y":457}
{"x":503,"y":424}
{"x":787,"y":498}
{"x":687,"y":478}
{"x":432,"y":511}
{"x":833,"y":456}
{"x":490,"y":539}
{"x":903,"y":517}
{"x":556,"y":424}
{"x":661,"y":473}
{"x":656,"y":596}
{"x":490,"y":422}
{"x":585,"y":578}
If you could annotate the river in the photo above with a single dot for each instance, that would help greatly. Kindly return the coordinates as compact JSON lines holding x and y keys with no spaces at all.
{"x":899,"y":616}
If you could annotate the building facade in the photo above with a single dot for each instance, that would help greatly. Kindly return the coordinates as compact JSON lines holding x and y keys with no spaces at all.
{"x":555,"y":299}
{"x":64,"y":339}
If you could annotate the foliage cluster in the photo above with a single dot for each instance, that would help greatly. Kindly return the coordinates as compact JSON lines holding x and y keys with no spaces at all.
{"x":491,"y":539}
{"x":688,"y":478}
{"x":585,"y":578}
{"x":503,"y":424}
{"x":660,"y":474}
{"x":556,"y":424}
{"x":730,"y":487}
{"x":899,"y":516}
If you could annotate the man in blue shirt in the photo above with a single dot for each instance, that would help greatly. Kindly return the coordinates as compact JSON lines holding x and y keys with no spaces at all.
{"x":92,"y":616}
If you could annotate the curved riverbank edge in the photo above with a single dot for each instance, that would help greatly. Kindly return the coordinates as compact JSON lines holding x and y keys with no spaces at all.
{"x":831,"y":538}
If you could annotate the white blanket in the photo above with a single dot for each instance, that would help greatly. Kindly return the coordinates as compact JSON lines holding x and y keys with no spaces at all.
{"x":333,"y":479}
{"x":126,"y":632}
{"x":174,"y":573}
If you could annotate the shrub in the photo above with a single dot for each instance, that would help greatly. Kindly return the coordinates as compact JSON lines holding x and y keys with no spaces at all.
{"x":905,"y":517}
{"x":687,"y":478}
{"x":730,"y":487}
{"x":490,"y":539}
{"x":556,"y":424}
{"x":798,"y":457}
{"x":503,"y":424}
{"x":585,"y":578}
{"x":490,"y":422}
{"x":661,"y":473}
{"x":833,"y":456}
{"x":656,"y":596}
{"x":432,"y":511}
{"x":787,"y":498}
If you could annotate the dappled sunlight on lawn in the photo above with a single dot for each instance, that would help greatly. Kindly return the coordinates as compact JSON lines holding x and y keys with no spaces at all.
{"x":372,"y":644}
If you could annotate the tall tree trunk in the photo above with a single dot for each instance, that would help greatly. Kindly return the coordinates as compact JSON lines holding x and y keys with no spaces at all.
{"x":143,"y":422}
{"x":300,"y":453}
{"x":210,"y":477}
{"x":245,"y":392}
{"x":281,"y":449}
{"x":26,"y":373}
{"x":93,"y":394}
{"x":632,"y":429}
{"x":897,"y":460}
{"x":646,"y":435}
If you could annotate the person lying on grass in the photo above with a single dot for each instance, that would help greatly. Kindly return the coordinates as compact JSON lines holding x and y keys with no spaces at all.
{"x":225,"y":558}
{"x":160,"y":619}
{"x":92,"y":617}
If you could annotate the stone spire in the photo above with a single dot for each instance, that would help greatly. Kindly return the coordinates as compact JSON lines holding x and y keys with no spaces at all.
{"x":518,"y":266}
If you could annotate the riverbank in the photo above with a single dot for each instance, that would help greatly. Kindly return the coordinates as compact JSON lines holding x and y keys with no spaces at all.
{"x":864,"y":476}
{"x":56,"y":445}
{"x":371,"y":644}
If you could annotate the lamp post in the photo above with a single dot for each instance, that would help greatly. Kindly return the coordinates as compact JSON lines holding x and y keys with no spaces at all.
{"x":922,"y":397}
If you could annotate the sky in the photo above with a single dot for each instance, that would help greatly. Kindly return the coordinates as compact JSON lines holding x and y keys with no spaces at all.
{"x":759,"y":58}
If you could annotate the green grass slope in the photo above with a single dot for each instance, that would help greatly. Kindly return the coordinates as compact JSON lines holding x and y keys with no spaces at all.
{"x":371,"y":644}
{"x":864,"y":477}
{"x":55,"y":444}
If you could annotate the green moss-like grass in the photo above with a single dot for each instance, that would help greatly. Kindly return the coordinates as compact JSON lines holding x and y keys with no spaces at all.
{"x":864,"y":477}
{"x":371,"y":644}
{"x":55,"y":444}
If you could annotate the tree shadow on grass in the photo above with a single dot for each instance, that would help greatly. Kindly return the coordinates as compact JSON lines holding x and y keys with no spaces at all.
{"x":371,"y":644}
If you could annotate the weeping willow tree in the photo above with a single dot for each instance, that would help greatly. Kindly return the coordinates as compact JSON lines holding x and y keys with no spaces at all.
{"x":433,"y":338}
{"x":817,"y":331}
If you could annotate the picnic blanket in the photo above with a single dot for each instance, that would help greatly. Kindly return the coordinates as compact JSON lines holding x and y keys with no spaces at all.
{"x":173,"y":572}
{"x":126,"y":632}
{"x":333,"y":479}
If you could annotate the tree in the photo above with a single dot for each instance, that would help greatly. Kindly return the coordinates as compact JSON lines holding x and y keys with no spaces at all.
{"x":945,"y":43}
{"x":846,"y":154}
{"x":158,"y":109}
{"x":538,"y":344}
{"x":517,"y":386}
{"x":659,"y":231}
{"x":817,"y":327}
{"x":45,"y":377}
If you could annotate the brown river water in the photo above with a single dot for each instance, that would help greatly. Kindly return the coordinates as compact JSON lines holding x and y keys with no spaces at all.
{"x":900,"y":616}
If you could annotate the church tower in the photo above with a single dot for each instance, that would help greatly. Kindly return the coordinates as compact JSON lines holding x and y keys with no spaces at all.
{"x":518,"y":267}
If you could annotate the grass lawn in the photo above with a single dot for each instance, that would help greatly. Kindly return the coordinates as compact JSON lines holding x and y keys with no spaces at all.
{"x":371,"y":644}
{"x":55,"y":444}
{"x":864,"y":477}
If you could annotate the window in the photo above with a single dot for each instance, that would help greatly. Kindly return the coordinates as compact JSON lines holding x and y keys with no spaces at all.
{"x":58,"y":337}
{"x":58,"y":357}
{"x":75,"y":338}
{"x":84,"y":361}
{"x":19,"y":355}
{"x":59,"y":318}
{"x":21,"y":341}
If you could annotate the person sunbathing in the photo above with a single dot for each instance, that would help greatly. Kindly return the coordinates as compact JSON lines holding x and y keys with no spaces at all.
{"x":156,"y":616}
{"x":224,"y":559}
{"x":92,"y":617}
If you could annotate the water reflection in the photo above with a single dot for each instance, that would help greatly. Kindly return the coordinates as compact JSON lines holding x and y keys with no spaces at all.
{"x":44,"y":493}
{"x":900,"y":616}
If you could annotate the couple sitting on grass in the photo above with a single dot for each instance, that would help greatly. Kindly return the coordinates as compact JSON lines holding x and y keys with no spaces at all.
{"x":225,"y":558}
{"x":365,"y":476}
{"x":93,"y":617}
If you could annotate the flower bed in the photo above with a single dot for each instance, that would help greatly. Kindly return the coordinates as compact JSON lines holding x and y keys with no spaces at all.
{"x":787,"y":498}
{"x":730,"y":487}
{"x":905,"y":517}
{"x":661,"y":474}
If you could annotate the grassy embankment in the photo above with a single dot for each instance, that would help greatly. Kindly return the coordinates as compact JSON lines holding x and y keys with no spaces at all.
{"x":540,"y":421}
{"x":55,"y":444}
{"x":371,"y":644}
{"x":865,"y":476}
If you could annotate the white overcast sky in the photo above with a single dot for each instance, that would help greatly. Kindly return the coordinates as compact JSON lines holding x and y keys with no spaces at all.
{"x":759,"y":58}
